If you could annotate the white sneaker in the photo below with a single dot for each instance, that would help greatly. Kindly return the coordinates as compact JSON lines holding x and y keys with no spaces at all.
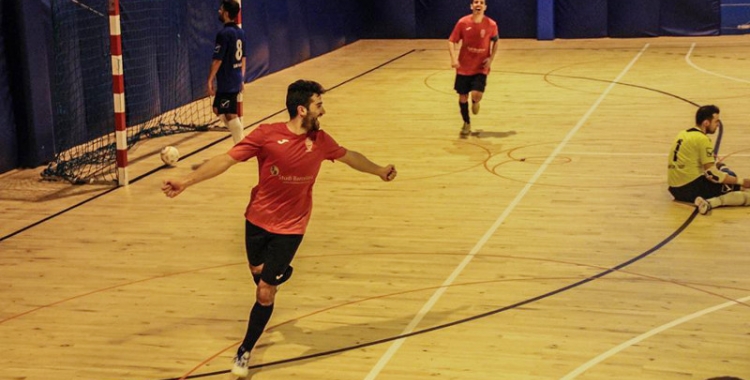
{"x":466,"y":130}
{"x":241,"y":364}
{"x":703,"y":206}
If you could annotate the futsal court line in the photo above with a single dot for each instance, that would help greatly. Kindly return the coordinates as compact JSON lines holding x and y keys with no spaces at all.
{"x":185,"y":156}
{"x":633,"y":154}
{"x":690,"y":62}
{"x":477,"y":247}
{"x":604,"y":356}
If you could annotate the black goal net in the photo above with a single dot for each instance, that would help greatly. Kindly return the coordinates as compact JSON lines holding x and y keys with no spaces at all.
{"x":167,"y":46}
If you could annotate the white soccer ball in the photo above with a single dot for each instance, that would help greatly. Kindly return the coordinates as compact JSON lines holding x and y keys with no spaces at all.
{"x":170,"y":155}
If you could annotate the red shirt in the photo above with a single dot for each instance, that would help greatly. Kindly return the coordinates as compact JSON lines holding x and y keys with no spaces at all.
{"x":288,"y":164}
{"x":475,"y":47}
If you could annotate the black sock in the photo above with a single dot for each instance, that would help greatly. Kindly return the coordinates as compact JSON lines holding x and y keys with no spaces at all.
{"x":465,"y":111}
{"x":259,"y":317}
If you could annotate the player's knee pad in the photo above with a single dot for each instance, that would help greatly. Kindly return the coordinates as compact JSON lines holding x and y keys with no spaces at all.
{"x":286,"y":276}
{"x":256,"y":278}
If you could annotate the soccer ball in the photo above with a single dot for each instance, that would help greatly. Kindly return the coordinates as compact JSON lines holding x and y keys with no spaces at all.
{"x":170,"y":155}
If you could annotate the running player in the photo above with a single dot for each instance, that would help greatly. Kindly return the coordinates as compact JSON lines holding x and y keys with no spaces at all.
{"x":477,"y":35}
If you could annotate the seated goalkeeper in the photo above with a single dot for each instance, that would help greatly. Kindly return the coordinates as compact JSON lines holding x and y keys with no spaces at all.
{"x":693,"y":174}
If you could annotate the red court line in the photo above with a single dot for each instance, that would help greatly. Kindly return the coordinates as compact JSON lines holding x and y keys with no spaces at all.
{"x":110,"y":288}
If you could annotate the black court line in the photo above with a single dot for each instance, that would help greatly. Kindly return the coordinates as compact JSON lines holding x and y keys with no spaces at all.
{"x":142,"y":176}
{"x":516,"y":305}
{"x":472,"y":318}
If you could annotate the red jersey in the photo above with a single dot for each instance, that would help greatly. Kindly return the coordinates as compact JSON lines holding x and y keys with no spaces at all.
{"x":475,"y":47}
{"x":288,"y":165}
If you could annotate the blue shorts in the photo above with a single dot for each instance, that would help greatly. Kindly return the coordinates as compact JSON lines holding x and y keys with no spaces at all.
{"x":225,"y":103}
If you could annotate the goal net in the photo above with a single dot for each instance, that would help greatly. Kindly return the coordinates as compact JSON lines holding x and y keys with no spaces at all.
{"x":165,"y":59}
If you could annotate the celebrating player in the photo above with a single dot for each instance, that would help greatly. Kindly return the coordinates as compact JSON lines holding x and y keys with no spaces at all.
{"x":289,"y":158}
{"x":478,"y":35}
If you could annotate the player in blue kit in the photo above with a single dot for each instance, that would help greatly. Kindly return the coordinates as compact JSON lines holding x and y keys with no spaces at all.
{"x":228,"y":68}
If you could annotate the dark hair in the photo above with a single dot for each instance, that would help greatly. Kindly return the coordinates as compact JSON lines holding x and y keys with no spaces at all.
{"x":232,"y":7}
{"x":705,"y":113}
{"x":300,"y":93}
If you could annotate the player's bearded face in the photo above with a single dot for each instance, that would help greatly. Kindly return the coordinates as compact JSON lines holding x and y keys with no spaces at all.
{"x":314,"y":111}
{"x":310,"y":122}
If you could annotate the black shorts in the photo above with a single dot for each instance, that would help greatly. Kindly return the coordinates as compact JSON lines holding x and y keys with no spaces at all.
{"x":467,"y":83}
{"x":226,"y":103}
{"x":274,"y":251}
{"x":701,"y":187}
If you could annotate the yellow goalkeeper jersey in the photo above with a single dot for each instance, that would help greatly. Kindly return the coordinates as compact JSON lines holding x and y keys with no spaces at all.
{"x":690,"y":151}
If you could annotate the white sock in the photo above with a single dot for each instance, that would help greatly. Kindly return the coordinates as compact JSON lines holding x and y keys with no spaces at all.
{"x":235,"y":127}
{"x":732,"y":198}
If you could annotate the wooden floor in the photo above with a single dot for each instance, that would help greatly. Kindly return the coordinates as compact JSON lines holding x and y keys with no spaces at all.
{"x":545,"y":247}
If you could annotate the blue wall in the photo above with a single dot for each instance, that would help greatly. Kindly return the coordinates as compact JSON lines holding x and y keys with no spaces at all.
{"x":8,"y":138}
{"x":690,"y":17}
{"x":734,"y":13}
{"x":436,"y":18}
{"x":581,"y":19}
{"x":633,"y":18}
{"x":283,"y":33}
{"x":636,"y":18}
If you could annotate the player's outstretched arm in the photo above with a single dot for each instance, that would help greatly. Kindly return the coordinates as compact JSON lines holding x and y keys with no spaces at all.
{"x":219,"y":164}
{"x":361,"y":163}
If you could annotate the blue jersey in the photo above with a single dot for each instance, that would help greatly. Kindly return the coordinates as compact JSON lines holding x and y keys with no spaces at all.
{"x":230,"y":49}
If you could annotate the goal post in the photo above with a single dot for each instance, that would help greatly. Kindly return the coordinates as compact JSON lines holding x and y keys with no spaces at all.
{"x":118,"y":93}
{"x":125,"y":71}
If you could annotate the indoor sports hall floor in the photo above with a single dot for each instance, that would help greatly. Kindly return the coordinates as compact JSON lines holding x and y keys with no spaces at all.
{"x":544,"y":247}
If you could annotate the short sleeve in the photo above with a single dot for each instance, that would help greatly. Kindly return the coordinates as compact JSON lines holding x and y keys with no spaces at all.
{"x":249,"y":147}
{"x":331,"y":149}
{"x":707,"y":151}
{"x":456,"y":34}
{"x":221,"y":47}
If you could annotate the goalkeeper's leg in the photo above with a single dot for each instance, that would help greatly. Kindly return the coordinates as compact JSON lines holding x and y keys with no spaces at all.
{"x":732,"y":198}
